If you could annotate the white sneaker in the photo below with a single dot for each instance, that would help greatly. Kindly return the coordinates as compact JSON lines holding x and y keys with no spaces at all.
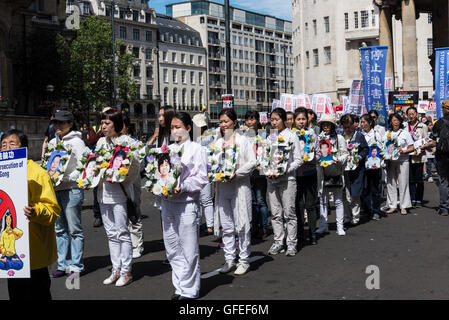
{"x":430,"y":179}
{"x":341,"y":232}
{"x":276,"y":248}
{"x":115,"y":275}
{"x":136,"y":254}
{"x":242,"y":268}
{"x":125,"y":278}
{"x":227,"y":267}
{"x":291,"y":252}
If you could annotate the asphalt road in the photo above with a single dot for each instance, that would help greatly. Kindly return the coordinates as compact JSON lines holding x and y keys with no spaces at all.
{"x":409,"y":252}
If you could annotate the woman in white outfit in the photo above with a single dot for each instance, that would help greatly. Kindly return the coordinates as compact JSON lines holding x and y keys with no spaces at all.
{"x":398,"y":170}
{"x":181,"y":214}
{"x":112,"y":202}
{"x":336,"y":169}
{"x":233,"y":208}
{"x":282,"y":190}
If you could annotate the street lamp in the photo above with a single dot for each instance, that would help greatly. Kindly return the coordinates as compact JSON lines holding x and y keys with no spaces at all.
{"x":284,"y":47}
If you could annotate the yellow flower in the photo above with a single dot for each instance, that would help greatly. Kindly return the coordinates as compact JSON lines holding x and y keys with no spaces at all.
{"x":324,"y":164}
{"x":104,"y":165}
{"x":80,"y":182}
{"x":164,"y":191}
{"x":123,"y":171}
{"x":280,"y":139}
{"x":389,"y":135}
{"x":305,"y":158}
{"x":204,"y":108}
{"x":294,"y":130}
{"x":303,"y":132}
{"x":219,"y":176}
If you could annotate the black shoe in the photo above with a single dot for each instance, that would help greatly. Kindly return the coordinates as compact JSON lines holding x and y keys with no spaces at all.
{"x":175,"y":296}
{"x":442,"y":213}
{"x":98,"y":223}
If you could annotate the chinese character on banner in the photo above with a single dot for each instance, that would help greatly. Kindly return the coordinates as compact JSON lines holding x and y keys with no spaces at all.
{"x":263,"y":117}
{"x":287,"y":102}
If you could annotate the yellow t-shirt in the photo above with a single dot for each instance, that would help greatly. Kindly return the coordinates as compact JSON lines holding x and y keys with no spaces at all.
{"x":41,"y":196}
{"x":8,"y":241}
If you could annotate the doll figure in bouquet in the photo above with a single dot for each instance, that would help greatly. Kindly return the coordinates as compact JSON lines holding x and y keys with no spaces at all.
{"x":9,"y":258}
{"x":303,"y":147}
{"x":326,"y":148}
{"x":390,"y":149}
{"x":89,"y":169}
{"x":119,"y":156}
{"x":374,"y":160}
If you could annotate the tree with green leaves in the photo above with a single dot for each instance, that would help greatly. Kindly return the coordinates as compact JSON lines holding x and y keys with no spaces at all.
{"x":89,"y":55}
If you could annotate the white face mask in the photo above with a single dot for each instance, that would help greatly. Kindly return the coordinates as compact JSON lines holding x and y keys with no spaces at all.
{"x":180,"y":135}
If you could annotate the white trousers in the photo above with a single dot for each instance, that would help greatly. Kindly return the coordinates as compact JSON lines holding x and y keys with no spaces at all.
{"x":282,"y":197}
{"x":115,"y":221}
{"x":398,"y":177}
{"x":207,"y":204}
{"x":338,"y":200}
{"x":228,"y":213}
{"x":351,"y":205}
{"x":180,"y":226}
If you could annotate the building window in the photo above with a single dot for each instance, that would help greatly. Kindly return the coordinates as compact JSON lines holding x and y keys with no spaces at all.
{"x":314,"y":27}
{"x":327,"y":55}
{"x":147,"y":17}
{"x":150,"y":92}
{"x":346,"y":21}
{"x":429,"y":47}
{"x":307,"y":26}
{"x":122,"y":32}
{"x":192,"y":77}
{"x":136,"y":52}
{"x":175,"y":97}
{"x":175,"y":77}
{"x":183,"y":77}
{"x":201,"y":97}
{"x":149,"y":72}
{"x":315,"y":58}
{"x":165,"y":75}
{"x":136,"y":71}
{"x":356,"y":19}
{"x":364,"y":18}
{"x":326,"y":25}
{"x":135,"y":15}
{"x":307,"y":59}
{"x":164,"y":55}
{"x":149,"y":36}
{"x":200,"y":78}
{"x":202,"y":20}
{"x":192,"y":98}
{"x":192,"y":59}
{"x":373,"y":18}
{"x":148,"y":54}
{"x":183,"y":58}
{"x":184,"y":98}
{"x":136,"y":34}
{"x":173,"y":56}
{"x":165,"y":96}
{"x":200,"y":60}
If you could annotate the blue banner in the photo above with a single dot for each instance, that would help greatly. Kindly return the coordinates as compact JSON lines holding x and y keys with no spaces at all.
{"x":13,"y":154}
{"x":374,"y":60}
{"x":441,"y":78}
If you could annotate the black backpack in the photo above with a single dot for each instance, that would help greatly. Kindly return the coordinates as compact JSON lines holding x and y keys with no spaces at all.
{"x":443,"y":138}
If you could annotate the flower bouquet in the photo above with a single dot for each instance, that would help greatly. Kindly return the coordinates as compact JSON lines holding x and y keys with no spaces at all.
{"x":307,"y":144}
{"x":163,"y":169}
{"x":57,"y":160}
{"x":353,"y":149}
{"x":275,"y":158}
{"x":222,"y":161}
{"x":328,"y":150}
{"x":89,"y":171}
{"x":391,"y":147}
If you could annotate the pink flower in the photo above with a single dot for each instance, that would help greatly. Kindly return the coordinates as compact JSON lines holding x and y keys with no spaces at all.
{"x":11,"y":273}
{"x":350,"y":146}
{"x":22,"y":256}
{"x":164,"y":148}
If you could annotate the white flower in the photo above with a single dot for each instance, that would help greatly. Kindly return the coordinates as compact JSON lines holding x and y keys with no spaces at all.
{"x":157,"y":190}
{"x":125,"y":162}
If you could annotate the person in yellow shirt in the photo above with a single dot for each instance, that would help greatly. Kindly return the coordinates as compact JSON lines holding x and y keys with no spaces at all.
{"x":9,"y":258}
{"x":42,"y":212}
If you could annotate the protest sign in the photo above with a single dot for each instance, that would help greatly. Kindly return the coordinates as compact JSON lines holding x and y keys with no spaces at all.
{"x":14,"y":243}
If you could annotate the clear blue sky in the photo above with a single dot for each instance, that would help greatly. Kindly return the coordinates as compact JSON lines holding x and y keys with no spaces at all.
{"x":278,"y":8}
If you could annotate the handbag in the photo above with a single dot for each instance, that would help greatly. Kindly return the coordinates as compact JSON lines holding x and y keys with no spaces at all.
{"x":131,"y":208}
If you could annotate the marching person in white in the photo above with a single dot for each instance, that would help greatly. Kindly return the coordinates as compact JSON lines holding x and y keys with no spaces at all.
{"x":398,"y":170}
{"x":181,"y":214}
{"x":328,"y":126}
{"x":233,"y":208}
{"x":282,"y":190}
{"x":68,"y":227}
{"x":112,"y":202}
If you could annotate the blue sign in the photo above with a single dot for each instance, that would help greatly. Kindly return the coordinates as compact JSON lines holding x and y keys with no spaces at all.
{"x":374,"y":60}
{"x":13,"y":154}
{"x":441,"y":78}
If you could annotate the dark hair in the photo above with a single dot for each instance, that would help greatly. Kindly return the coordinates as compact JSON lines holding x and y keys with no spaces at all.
{"x":8,"y":214}
{"x":252,"y":114}
{"x":346,"y":119}
{"x":289,"y":112}
{"x":129,"y":126}
{"x":119,"y":153}
{"x":115,"y":116}
{"x":325,"y":142}
{"x":368,"y":119}
{"x":185,"y":118}
{"x":311,"y":112}
{"x":303,"y":138}
{"x":169,"y":113}
{"x":411,"y":108}
{"x":281,"y":113}
{"x":355,"y":119}
{"x":22,"y":137}
{"x":397,"y":116}
{"x":230,"y":113}
{"x":161,"y":158}
{"x":375,"y":113}
{"x":302,"y":110}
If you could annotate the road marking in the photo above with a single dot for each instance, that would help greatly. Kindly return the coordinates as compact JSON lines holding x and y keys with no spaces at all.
{"x":215,"y":272}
